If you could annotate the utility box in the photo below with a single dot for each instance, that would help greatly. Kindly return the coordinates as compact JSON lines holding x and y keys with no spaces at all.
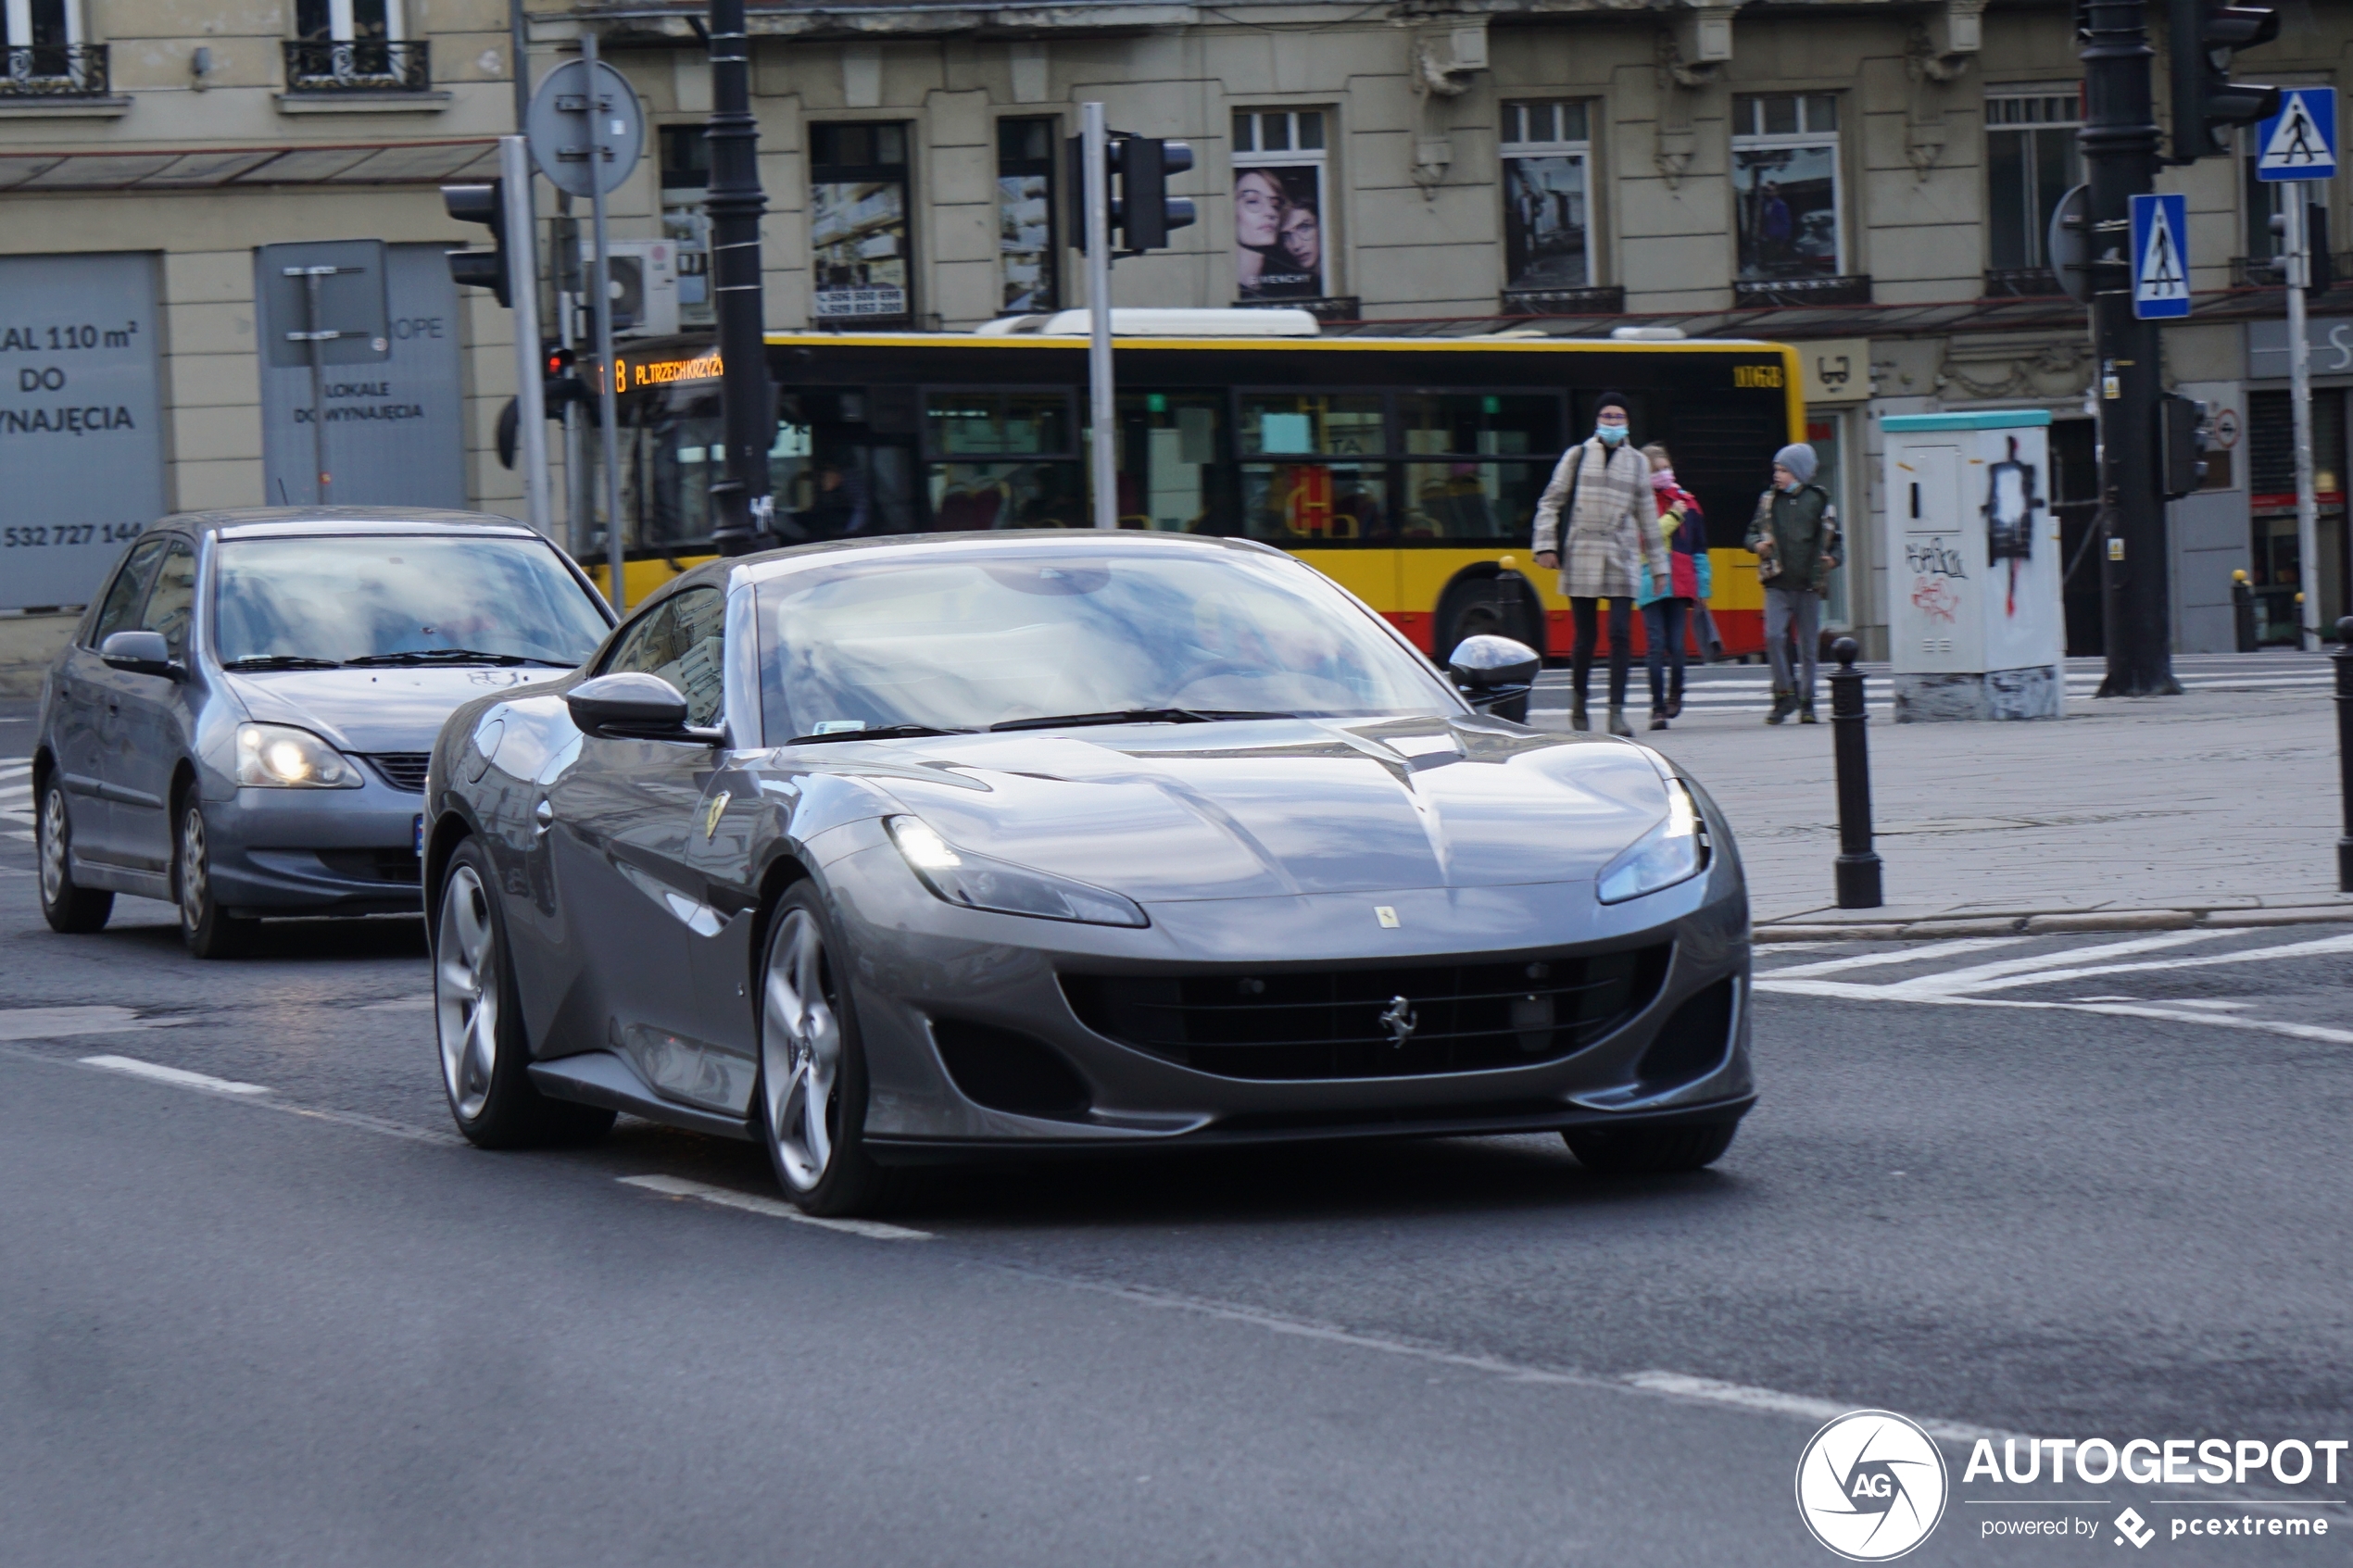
{"x":1975,"y":628}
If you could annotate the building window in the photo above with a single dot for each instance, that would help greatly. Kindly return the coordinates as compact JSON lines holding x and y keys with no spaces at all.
{"x":42,"y":52}
{"x":685,"y":158}
{"x":1785,"y":186}
{"x":345,"y":21}
{"x":1547,"y":174}
{"x":2031,"y":159}
{"x":1279,"y":236}
{"x":1026,"y":216}
{"x":859,"y":221}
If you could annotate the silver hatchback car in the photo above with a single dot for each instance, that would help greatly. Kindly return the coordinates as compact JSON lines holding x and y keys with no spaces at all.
{"x":242,"y":722}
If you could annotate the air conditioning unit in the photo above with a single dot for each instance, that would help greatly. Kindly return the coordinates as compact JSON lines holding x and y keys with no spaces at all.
{"x":645,"y":285}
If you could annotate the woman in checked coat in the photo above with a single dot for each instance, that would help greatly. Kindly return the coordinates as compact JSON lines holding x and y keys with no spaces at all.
{"x":1604,"y":486}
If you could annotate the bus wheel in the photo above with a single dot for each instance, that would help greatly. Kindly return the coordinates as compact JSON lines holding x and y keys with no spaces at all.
{"x":1480,"y":601}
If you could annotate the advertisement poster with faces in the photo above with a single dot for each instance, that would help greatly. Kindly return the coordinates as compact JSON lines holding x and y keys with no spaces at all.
{"x":1279,"y":233}
{"x":858,"y":230}
{"x":1024,"y":242}
{"x":1786,"y":201}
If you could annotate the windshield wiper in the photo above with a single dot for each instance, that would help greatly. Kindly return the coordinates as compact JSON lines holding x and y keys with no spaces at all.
{"x":448,"y":656}
{"x":1139,"y":716}
{"x":885,"y":732}
{"x":282,"y":662}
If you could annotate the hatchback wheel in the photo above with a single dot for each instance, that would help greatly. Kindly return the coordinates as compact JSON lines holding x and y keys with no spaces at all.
{"x":210,"y":931}
{"x":811,"y":1096}
{"x":484,"y":1061}
{"x":66,"y":908}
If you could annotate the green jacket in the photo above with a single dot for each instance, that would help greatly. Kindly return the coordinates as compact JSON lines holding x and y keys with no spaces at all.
{"x":1804,"y":528}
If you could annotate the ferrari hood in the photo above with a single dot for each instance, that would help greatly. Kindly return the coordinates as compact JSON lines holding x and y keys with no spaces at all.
{"x":373,"y":711}
{"x":1287,"y":806}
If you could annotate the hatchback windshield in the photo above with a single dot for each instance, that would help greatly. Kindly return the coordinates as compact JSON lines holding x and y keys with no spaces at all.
{"x":906,"y":637}
{"x":380,"y":599}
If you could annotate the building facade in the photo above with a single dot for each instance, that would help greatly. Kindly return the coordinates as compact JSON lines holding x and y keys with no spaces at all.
{"x":1869,"y":179}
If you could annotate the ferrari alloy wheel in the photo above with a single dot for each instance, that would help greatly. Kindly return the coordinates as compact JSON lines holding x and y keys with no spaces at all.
{"x":209,"y":930}
{"x":484,"y":1065}
{"x":812,"y":1090}
{"x":66,"y":908}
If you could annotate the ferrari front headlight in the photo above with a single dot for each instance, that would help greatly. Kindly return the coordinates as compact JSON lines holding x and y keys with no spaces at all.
{"x":976,"y":882}
{"x":1674,"y":851}
{"x":281,"y":756}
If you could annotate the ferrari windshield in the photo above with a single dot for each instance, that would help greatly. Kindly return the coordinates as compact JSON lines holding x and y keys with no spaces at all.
{"x":942,"y":641}
{"x":322,"y":600}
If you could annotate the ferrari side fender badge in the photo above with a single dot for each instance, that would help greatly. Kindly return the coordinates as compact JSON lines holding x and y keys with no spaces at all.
{"x":713,"y":812}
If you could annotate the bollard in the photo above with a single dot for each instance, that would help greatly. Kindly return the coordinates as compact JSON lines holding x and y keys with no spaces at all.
{"x":2243,"y":610}
{"x":2343,"y":659}
{"x":1858,"y":861}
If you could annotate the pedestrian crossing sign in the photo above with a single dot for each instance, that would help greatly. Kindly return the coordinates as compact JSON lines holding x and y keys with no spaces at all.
{"x":2160,"y":262}
{"x":2298,"y":142}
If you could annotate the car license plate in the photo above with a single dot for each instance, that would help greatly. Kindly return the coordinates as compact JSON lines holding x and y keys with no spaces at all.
{"x":421,"y":836}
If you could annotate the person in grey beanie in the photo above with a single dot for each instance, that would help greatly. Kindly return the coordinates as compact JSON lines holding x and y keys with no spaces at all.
{"x":1795,"y":538}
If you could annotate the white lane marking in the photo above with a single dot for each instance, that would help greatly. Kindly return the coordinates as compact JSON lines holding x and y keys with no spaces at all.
{"x":1743,"y":1397}
{"x":2250,"y":955}
{"x":177,"y":1077}
{"x":1976,"y":976}
{"x":776,"y":1209}
{"x":1869,"y":960}
{"x":2178,"y":1001}
{"x":55,"y":1023}
{"x":1847,"y":990}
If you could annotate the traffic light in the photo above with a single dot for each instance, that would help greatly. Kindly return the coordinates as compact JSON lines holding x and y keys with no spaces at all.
{"x":1145,"y":212}
{"x":482,"y":203}
{"x":2182,"y":441}
{"x":1142,"y":212}
{"x":2320,"y":266}
{"x":562,"y":384}
{"x":2206,"y":102}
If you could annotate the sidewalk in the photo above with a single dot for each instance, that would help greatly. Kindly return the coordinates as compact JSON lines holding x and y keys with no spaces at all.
{"x":2218,"y":807}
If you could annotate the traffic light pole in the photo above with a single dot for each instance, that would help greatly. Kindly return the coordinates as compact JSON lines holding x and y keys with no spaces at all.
{"x":1102,"y":405}
{"x":523,"y":282}
{"x":2299,"y":237}
{"x":600,"y":314}
{"x":2120,"y":142}
{"x":740,"y":501}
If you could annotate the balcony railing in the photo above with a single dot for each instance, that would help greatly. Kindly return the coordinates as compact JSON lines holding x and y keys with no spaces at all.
{"x":2021,"y":283}
{"x":1602,"y":300}
{"x":53,"y":71}
{"x":2271,"y":272}
{"x":1757,"y":294}
{"x":362,"y":65}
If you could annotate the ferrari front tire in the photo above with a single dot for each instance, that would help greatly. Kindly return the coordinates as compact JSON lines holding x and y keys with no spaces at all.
{"x":484,"y":1061}
{"x":1656,"y":1151}
{"x":810,"y":1104}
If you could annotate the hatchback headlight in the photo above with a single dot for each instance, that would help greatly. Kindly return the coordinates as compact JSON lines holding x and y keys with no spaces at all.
{"x":281,"y":756}
{"x":1674,"y":851}
{"x":976,"y":882}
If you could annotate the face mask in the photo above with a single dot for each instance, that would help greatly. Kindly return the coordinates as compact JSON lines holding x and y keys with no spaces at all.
{"x":1610,"y":435}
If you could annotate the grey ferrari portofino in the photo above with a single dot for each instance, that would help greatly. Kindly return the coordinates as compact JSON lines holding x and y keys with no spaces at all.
{"x":907,"y":849}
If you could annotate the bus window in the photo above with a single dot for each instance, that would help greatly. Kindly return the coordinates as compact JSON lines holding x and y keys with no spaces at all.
{"x":962,"y":424}
{"x":969,"y":497}
{"x":1494,"y":425}
{"x":1168,"y":462}
{"x":1308,"y":503}
{"x":1472,"y":503}
{"x":1336,"y":424}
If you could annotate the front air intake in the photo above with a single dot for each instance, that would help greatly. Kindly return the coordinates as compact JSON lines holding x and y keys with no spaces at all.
{"x":1006,"y":1071}
{"x":1693,"y":1042}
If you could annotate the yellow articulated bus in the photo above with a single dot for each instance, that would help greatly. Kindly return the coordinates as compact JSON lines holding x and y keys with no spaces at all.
{"x":1407,"y":469}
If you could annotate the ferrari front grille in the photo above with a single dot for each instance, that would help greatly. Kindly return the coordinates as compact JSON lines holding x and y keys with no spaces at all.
{"x":1382,"y":1022}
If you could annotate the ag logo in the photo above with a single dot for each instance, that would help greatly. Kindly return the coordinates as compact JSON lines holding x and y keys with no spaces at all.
{"x":1871,"y":1485}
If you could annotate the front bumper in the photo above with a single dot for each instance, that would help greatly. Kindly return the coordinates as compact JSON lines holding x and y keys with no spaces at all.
{"x":315,"y":851}
{"x":921,"y":963}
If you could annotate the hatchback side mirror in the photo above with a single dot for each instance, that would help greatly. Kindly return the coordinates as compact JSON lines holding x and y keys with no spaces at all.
{"x":141,"y":653}
{"x":635,"y":706}
{"x":1495,"y":674}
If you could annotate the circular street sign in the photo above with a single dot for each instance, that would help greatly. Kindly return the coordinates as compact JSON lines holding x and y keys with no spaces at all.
{"x":2068,"y":243}
{"x":2226,"y":429}
{"x":585,"y":143}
